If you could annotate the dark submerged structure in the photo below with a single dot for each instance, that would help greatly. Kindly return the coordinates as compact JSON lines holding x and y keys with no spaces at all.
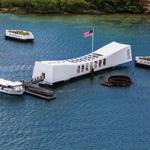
{"x":118,"y":81}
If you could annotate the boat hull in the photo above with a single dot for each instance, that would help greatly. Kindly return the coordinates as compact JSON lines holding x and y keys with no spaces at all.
{"x":11,"y":92}
{"x":142,"y":65}
{"x":18,"y":39}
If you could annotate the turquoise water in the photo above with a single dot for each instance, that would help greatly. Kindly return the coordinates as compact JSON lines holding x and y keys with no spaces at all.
{"x":85,"y":115}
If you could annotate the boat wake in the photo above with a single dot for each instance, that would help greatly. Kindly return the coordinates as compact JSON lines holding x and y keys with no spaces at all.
{"x":16,"y":68}
{"x":68,"y":91}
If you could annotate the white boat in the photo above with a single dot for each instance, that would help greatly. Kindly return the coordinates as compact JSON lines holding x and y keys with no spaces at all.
{"x":10,"y":87}
{"x":108,"y":56}
{"x":142,"y":61}
{"x":19,"y":35}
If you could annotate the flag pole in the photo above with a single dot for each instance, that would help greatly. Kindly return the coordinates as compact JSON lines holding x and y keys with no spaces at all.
{"x":93,"y":41}
{"x":92,"y":68}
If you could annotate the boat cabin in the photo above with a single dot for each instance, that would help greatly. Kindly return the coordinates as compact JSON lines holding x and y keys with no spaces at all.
{"x":10,"y":84}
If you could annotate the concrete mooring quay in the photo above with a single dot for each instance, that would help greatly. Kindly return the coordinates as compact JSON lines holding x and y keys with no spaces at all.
{"x":32,"y":89}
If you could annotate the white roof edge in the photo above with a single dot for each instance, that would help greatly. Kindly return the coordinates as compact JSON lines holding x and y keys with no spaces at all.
{"x":111,"y":48}
{"x":106,"y":50}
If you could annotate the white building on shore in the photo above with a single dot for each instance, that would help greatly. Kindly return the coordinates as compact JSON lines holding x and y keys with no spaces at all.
{"x":108,"y":56}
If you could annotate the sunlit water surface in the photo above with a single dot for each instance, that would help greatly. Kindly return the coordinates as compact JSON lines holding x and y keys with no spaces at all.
{"x":85,"y":115}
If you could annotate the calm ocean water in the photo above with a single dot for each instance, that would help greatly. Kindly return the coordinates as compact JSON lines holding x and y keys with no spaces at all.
{"x":85,"y":115}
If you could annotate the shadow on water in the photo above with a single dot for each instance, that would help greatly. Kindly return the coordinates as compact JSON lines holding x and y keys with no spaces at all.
{"x":19,"y":41}
{"x":85,"y":114}
{"x":11,"y":98}
{"x":143,"y":68}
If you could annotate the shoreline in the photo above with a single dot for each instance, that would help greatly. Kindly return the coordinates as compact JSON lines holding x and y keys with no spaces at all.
{"x":20,"y":11}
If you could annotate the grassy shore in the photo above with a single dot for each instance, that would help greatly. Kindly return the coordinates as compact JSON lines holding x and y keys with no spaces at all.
{"x":71,"y":6}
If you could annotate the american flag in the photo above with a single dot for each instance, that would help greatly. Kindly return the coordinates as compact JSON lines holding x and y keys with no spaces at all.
{"x":88,"y":34}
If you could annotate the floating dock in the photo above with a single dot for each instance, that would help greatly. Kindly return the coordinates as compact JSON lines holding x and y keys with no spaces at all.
{"x":32,"y":89}
{"x":40,"y":92}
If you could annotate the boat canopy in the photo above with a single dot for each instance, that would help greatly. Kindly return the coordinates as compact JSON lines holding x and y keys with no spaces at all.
{"x":21,"y":32}
{"x":4,"y":82}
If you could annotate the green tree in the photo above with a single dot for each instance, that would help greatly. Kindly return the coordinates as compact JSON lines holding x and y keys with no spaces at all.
{"x":75,"y":6}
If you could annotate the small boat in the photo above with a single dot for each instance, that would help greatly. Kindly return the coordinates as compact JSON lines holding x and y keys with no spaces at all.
{"x":142,"y":61}
{"x":10,"y":87}
{"x":20,"y":35}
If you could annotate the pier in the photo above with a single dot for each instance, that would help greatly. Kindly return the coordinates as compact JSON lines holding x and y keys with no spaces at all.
{"x":32,"y":89}
{"x":40,"y":92}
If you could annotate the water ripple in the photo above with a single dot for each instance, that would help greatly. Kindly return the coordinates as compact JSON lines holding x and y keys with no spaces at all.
{"x":15,"y":68}
{"x":85,"y":114}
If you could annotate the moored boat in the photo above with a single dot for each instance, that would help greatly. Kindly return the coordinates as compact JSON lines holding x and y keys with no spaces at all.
{"x":142,"y":61}
{"x":10,"y":87}
{"x":20,"y":35}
